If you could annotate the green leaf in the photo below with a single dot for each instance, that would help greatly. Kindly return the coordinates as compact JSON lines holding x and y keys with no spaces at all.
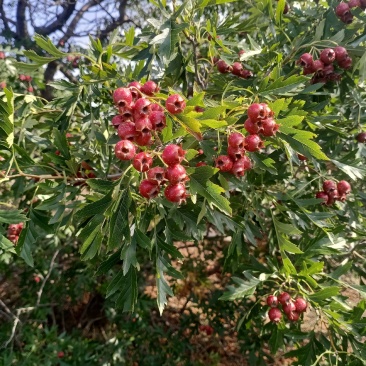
{"x":6,"y":245}
{"x":162,"y":286}
{"x":129,"y":289}
{"x":12,"y":216}
{"x":94,"y":208}
{"x":142,"y":240}
{"x":48,"y":46}
{"x":325,"y":293}
{"x":7,"y":119}
{"x":284,"y":86}
{"x":108,"y":264}
{"x":286,"y":229}
{"x":128,"y":254}
{"x":352,"y":171}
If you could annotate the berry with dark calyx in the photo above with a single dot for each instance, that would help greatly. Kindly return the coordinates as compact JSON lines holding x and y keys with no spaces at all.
{"x":253,"y":143}
{"x":327,"y":56}
{"x":257,"y":112}
{"x":272,"y":301}
{"x":323,"y":196}
{"x":305,"y":60}
{"x":173,"y":154}
{"x":117,"y":120}
{"x":156,"y":107}
{"x":135,"y":88}
{"x":122,"y":97}
{"x":236,"y":139}
{"x":340,"y":53}
{"x":301,"y":305}
{"x":149,"y":188}
{"x":176,"y":174}
{"x":347,"y":18}
{"x":235,"y":153}
{"x":332,"y":197}
{"x":354,"y":4}
{"x":124,"y":150}
{"x":329,"y":186}
{"x":246,"y":74}
{"x":268,"y":111}
{"x":176,"y":193}
{"x":361,"y":137}
{"x":223,"y":67}
{"x":342,"y":9}
{"x":253,"y":128}
{"x":308,"y":70}
{"x":293,"y":316}
{"x":126,"y":114}
{"x":270,"y":127}
{"x":142,"y":161}
{"x":345,"y":63}
{"x":317,"y":65}
{"x":289,"y":307}
{"x":240,"y":166}
{"x":224,"y":163}
{"x":149,"y":88}
{"x":343,"y":187}
{"x":327,"y":70}
{"x":275,"y":315}
{"x":157,"y":174}
{"x":158,"y":120}
{"x":127,"y":131}
{"x":175,"y":104}
{"x":143,"y":125}
{"x":284,"y":298}
{"x":237,"y":68}
{"x":142,"y":108}
{"x":143,"y":139}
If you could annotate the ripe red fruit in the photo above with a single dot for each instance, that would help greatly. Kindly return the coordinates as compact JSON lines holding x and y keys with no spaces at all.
{"x":347,"y":18}
{"x":317,"y":65}
{"x":30,"y":89}
{"x":176,"y":174}
{"x":308,"y":70}
{"x":173,"y":154}
{"x":127,"y":131}
{"x":346,"y":63}
{"x":3,"y":85}
{"x":241,"y":166}
{"x":323,"y":196}
{"x":158,"y":120}
{"x":332,"y":197}
{"x":272,"y":301}
{"x":301,"y":305}
{"x":293,"y":316}
{"x":237,"y":68}
{"x":60,"y":354}
{"x":176,"y":193}
{"x":270,"y":127}
{"x":206,"y":328}
{"x":340,"y":53}
{"x":246,"y":74}
{"x":361,"y":137}
{"x":342,"y":9}
{"x":288,"y":307}
{"x":149,"y":188}
{"x":141,"y":108}
{"x":284,"y":298}
{"x":354,"y":4}
{"x":149,"y":88}
{"x":274,"y":315}
{"x":126,"y":114}
{"x":223,"y":67}
{"x":124,"y":150}
{"x":156,"y":107}
{"x":175,"y":104}
{"x":235,"y":153}
{"x":327,"y":56}
{"x":253,"y":128}
{"x":257,"y":112}
{"x":143,"y":124}
{"x":305,"y":60}
{"x":157,"y":174}
{"x":142,"y":161}
{"x":2,"y":55}
{"x":329,"y":186}
{"x":135,"y":88}
{"x":122,"y":97}
{"x":224,"y":163}
{"x":143,"y":139}
{"x":236,"y":139}
{"x":343,"y":187}
{"x":253,"y":143}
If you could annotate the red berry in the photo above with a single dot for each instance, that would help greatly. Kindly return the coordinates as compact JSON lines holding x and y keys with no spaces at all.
{"x":342,"y":9}
{"x":308,"y":70}
{"x":272,"y":301}
{"x":37,"y":279}
{"x":142,"y":162}
{"x":143,"y":124}
{"x":156,"y":107}
{"x":143,"y":139}
{"x":135,"y":88}
{"x":122,"y":97}
{"x":157,"y":174}
{"x":224,"y":163}
{"x":176,"y":174}
{"x":346,"y":63}
{"x":30,"y":89}
{"x":332,"y":197}
{"x":253,"y":128}
{"x":323,"y":196}
{"x":2,"y":55}
{"x":149,"y":88}
{"x":158,"y":120}
{"x":305,"y":60}
{"x":289,"y":307}
{"x":301,"y":305}
{"x":124,"y":150}
{"x":347,"y":18}
{"x":340,"y":53}
{"x":236,"y":139}
{"x":176,"y":193}
{"x":293,"y":316}
{"x":237,"y":68}
{"x":173,"y":154}
{"x":361,"y":137}
{"x":328,"y":70}
{"x":327,"y":56}
{"x":267,"y":110}
{"x":241,"y":166}
{"x":246,"y":74}
{"x":175,"y":104}
{"x":284,"y":298}
{"x":257,"y":112}
{"x":127,"y":131}
{"x":253,"y":143}
{"x":3,"y":85}
{"x":329,"y":186}
{"x":270,"y":127}
{"x":223,"y":67}
{"x":149,"y":188}
{"x":141,"y":108}
{"x":241,"y":52}
{"x":60,"y":354}
{"x":343,"y":187}
{"x":302,"y":157}
{"x":126,"y":114}
{"x":354,"y":4}
{"x":235,"y":153}
{"x":275,"y":315}
{"x":317,"y":65}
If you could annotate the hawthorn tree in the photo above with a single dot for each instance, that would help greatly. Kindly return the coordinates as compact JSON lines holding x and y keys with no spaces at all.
{"x":243,"y":123}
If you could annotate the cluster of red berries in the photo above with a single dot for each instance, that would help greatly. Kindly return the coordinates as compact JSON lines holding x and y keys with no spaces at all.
{"x":333,"y":191}
{"x":343,"y":10}
{"x":361,"y":137}
{"x":137,"y":121}
{"x":2,"y":55}
{"x":291,"y":308}
{"x":14,"y":232}
{"x":236,"y":68}
{"x":323,"y":68}
{"x":260,"y":121}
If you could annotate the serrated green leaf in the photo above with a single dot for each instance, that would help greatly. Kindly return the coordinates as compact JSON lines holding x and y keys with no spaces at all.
{"x":324,"y":294}
{"x":12,"y":216}
{"x":284,"y":86}
{"x":48,"y":46}
{"x":162,"y":286}
{"x":129,"y":290}
{"x":94,"y":208}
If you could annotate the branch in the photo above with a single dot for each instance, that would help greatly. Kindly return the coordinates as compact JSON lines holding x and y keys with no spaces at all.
{"x":22,"y":30}
{"x":5,"y":20}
